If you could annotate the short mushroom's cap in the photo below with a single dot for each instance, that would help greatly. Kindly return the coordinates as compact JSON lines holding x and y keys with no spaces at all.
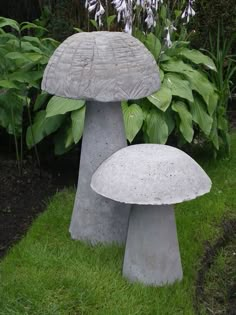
{"x":150,"y":174}
{"x":102,"y":66}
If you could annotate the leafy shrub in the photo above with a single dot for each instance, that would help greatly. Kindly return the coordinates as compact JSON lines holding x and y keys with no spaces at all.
{"x":23,"y":59}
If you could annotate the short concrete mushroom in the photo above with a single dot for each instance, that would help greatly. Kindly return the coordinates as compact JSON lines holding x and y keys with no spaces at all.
{"x":102,"y":68}
{"x":152,"y":177}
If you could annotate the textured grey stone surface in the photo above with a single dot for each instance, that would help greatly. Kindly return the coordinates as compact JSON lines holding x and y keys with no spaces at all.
{"x":103,"y":66}
{"x":150,"y":174}
{"x":95,"y":218}
{"x":152,"y":251}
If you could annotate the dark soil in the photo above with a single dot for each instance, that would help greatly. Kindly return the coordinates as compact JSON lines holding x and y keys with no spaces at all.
{"x":218,"y":296}
{"x":23,"y":197}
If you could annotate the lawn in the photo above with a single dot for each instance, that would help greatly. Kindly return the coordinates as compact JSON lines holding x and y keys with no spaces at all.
{"x":47,"y":273}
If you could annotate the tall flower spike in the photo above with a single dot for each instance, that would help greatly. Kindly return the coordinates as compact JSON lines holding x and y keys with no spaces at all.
{"x":188,"y":11}
{"x":124,"y":10}
{"x":150,"y":18}
{"x":95,"y":5}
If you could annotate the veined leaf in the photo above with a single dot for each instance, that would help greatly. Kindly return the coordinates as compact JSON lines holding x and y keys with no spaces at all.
{"x":40,"y":100}
{"x":110,"y":20}
{"x":133,"y":120}
{"x":29,"y":25}
{"x":198,"y":80}
{"x":156,"y":127}
{"x":61,"y":105}
{"x":63,"y":139}
{"x":9,"y":22}
{"x":185,"y":126}
{"x":198,"y":58}
{"x":77,"y":117}
{"x":178,"y":86}
{"x":153,"y":45}
{"x":170,"y":120}
{"x":162,"y":98}
{"x":200,"y":115}
{"x":42,"y":127}
{"x":8,"y":84}
{"x":32,"y":39}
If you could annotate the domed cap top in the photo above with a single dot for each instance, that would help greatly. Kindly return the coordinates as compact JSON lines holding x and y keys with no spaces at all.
{"x":102,"y":66}
{"x":150,"y":174}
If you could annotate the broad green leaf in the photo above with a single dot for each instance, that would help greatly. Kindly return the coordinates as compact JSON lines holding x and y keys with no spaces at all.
{"x":29,"y":25}
{"x":9,"y":22}
{"x":8,"y":84}
{"x":32,"y":39}
{"x":169,"y":118}
{"x":94,"y":23}
{"x":162,"y":75}
{"x":15,"y":55}
{"x":33,"y":56}
{"x":77,"y":117}
{"x":40,"y":100}
{"x":29,"y":77}
{"x":162,"y":98}
{"x":133,"y":120}
{"x":63,"y":139}
{"x":156,"y":127}
{"x":61,"y":105}
{"x":110,"y":20}
{"x":42,"y":127}
{"x":185,"y":126}
{"x":26,"y":46}
{"x":153,"y":45}
{"x":198,"y":80}
{"x":178,"y":86}
{"x":213,"y":101}
{"x":200,"y":115}
{"x":222,"y":123}
{"x":198,"y":58}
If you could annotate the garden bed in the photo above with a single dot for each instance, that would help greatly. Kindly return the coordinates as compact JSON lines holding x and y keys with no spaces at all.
{"x":23,"y":197}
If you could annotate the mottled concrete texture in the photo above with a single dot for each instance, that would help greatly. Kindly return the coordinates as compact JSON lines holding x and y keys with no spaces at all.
{"x":103,"y":66}
{"x":150,"y":174}
{"x":152,"y":251}
{"x":152,"y":177}
{"x":95,"y":218}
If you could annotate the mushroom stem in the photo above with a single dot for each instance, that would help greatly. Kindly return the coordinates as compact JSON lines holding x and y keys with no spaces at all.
{"x":152,"y":251}
{"x":96,"y":218}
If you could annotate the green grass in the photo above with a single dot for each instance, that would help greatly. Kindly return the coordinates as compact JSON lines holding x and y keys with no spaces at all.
{"x":47,"y":273}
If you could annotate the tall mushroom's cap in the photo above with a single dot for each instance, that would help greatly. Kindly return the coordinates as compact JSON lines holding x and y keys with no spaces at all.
{"x":150,"y":174}
{"x":102,"y":66}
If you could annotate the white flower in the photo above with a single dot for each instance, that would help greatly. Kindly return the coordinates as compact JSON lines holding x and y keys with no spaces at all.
{"x":124,"y":10}
{"x":169,"y":29}
{"x":188,"y":11}
{"x":150,"y":18}
{"x":95,"y":5}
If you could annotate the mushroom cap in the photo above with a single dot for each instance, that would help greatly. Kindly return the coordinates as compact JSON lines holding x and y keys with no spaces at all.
{"x":102,"y":66}
{"x":150,"y":174}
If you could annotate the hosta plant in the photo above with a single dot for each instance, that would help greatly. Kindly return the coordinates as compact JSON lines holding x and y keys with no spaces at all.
{"x":22,"y":61}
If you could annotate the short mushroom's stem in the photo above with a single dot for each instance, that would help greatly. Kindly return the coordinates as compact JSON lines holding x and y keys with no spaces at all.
{"x":95,"y":218}
{"x":152,"y":251}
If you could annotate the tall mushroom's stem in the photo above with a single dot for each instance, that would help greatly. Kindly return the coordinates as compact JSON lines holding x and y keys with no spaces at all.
{"x":152,"y":251}
{"x":95,"y":218}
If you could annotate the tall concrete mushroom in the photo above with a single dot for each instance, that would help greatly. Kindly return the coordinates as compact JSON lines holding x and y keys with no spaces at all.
{"x":152,"y":177}
{"x":102,"y":68}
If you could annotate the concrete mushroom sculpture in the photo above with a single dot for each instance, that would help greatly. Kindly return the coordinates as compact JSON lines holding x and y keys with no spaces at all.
{"x":103,"y":68}
{"x":152,"y":177}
